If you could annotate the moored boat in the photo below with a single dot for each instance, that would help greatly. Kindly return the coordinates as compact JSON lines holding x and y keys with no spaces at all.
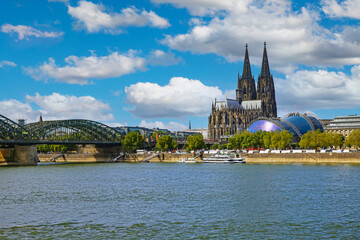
{"x":188,"y":160}
{"x":223,"y":158}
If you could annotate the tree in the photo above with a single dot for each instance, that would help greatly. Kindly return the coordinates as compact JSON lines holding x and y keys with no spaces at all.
{"x":215,"y":146}
{"x":195,"y":142}
{"x":267,"y":139}
{"x":315,"y":139}
{"x":235,"y":141}
{"x":353,"y":140}
{"x":285,"y":139}
{"x":310,"y":139}
{"x":165,"y":143}
{"x":133,"y":141}
{"x":157,"y":134}
{"x":44,"y":148}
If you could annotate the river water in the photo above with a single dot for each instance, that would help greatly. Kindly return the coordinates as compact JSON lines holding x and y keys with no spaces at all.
{"x":180,"y":201}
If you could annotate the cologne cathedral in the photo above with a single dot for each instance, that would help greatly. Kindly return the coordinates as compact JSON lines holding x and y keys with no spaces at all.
{"x":234,"y":115}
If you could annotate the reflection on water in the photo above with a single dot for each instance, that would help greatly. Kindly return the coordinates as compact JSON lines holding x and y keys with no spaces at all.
{"x":180,"y":201}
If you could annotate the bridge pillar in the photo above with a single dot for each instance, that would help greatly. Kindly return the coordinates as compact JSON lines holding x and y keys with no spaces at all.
{"x":18,"y":156}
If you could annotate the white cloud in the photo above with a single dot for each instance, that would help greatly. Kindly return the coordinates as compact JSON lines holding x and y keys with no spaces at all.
{"x":115,"y":124}
{"x":56,"y":107}
{"x":14,"y":110}
{"x":80,"y":69}
{"x":159,"y":57}
{"x":181,"y":97}
{"x":7,"y":63}
{"x":347,"y":8}
{"x":311,"y":90}
{"x":230,"y":94}
{"x":196,"y":21}
{"x":25,"y":32}
{"x":94,"y":18}
{"x":116,"y":93}
{"x":172,"y":126}
{"x":293,"y":37}
{"x":63,"y":1}
{"x":208,"y":7}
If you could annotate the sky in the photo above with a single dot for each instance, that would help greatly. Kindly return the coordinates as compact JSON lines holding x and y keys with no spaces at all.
{"x":161,"y":63}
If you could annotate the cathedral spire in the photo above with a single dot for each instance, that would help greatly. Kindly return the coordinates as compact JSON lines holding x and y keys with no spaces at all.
{"x":247,"y":69}
{"x":238,"y":83}
{"x":265,"y":70}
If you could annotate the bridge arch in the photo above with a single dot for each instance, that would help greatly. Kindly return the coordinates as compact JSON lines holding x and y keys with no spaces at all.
{"x":74,"y":130}
{"x":10,"y":131}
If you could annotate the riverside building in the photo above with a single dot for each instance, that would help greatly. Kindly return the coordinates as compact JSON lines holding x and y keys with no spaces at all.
{"x":344,"y":125}
{"x":233,"y":115}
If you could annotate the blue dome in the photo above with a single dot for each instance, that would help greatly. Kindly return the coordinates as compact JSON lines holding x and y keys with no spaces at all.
{"x":301,"y":124}
{"x":298,"y":124}
{"x":317,"y":124}
{"x":264,"y":125}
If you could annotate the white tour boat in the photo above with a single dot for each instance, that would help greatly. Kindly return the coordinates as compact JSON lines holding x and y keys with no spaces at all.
{"x":188,"y":160}
{"x":223,"y":158}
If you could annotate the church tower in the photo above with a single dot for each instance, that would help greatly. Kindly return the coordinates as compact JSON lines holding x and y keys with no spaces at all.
{"x":266,"y":88}
{"x":246,"y":84}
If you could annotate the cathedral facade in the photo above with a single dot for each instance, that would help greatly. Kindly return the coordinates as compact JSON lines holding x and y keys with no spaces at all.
{"x":234,"y":115}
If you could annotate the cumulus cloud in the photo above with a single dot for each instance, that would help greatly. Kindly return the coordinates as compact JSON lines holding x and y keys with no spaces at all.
{"x":7,"y":63}
{"x":208,"y":7}
{"x":14,"y":110}
{"x":347,"y":8}
{"x":180,"y":98}
{"x":55,"y":107}
{"x":172,"y":126}
{"x":63,"y":1}
{"x":293,"y":37}
{"x":159,"y":57}
{"x":116,"y":124}
{"x":25,"y":32}
{"x":94,"y":18}
{"x":321,"y":89}
{"x":79,"y":70}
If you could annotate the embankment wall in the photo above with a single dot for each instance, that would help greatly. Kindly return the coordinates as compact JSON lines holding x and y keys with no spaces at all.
{"x":310,"y":158}
{"x":18,"y":156}
{"x":108,"y":157}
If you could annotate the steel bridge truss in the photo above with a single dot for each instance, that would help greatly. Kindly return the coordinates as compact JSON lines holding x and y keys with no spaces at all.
{"x":58,"y":132}
{"x":10,"y":131}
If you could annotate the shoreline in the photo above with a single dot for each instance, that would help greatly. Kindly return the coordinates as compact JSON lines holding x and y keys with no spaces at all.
{"x":301,"y":158}
{"x":256,"y":158}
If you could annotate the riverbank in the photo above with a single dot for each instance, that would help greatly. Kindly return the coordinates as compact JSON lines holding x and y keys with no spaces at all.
{"x":102,"y":158}
{"x":257,"y":158}
{"x":307,"y":158}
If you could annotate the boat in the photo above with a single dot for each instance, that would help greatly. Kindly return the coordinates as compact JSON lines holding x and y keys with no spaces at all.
{"x":223,"y":158}
{"x":188,"y":160}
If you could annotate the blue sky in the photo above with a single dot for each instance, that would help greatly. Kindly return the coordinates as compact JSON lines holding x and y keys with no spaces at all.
{"x":160,"y":63}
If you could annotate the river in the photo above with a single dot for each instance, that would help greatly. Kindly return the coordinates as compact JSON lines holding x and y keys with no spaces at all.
{"x":180,"y":201}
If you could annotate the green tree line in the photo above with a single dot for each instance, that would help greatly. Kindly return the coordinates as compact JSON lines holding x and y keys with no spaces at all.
{"x":318,"y":139}
{"x":260,"y":139}
{"x":45,"y":148}
{"x":134,"y":141}
{"x":272,"y":140}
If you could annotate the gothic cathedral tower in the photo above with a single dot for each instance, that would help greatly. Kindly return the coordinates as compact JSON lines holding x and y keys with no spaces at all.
{"x":231,"y":116}
{"x":266,"y":88}
{"x":246,"y":84}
